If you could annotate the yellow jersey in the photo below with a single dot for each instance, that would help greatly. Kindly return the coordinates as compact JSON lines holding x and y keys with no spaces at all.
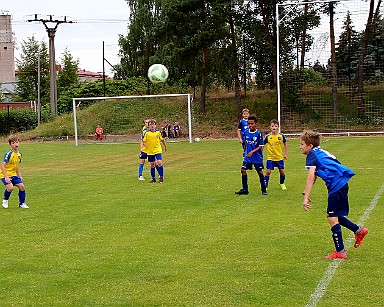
{"x":275,"y":146}
{"x":153,"y":141}
{"x":12,"y":161}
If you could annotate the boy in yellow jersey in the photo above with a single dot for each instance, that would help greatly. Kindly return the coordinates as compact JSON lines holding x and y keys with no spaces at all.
{"x":143,"y":151}
{"x":10,"y":172}
{"x":275,"y":157}
{"x":152,"y":141}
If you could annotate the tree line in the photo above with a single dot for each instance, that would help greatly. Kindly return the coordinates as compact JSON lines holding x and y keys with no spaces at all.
{"x":222,"y":43}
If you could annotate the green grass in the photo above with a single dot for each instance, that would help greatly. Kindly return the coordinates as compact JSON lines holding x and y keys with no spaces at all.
{"x":96,"y":236}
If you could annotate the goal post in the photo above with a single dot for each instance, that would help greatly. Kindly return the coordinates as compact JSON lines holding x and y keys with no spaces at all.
{"x":139,"y":101}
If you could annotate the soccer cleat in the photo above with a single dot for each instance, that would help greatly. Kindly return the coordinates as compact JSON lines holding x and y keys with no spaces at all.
{"x":141,"y":178}
{"x":337,"y":255}
{"x":152,"y":181}
{"x":242,"y":192}
{"x":359,"y":237}
{"x":161,"y":180}
{"x":282,"y":186}
{"x":5,"y":203}
{"x":23,"y":206}
{"x":264,"y":192}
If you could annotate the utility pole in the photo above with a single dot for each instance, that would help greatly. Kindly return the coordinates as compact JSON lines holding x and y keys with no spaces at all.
{"x":51,"y":23}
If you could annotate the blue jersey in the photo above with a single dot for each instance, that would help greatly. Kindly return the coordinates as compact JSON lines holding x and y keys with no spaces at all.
{"x":252,"y":141}
{"x":328,"y":168}
{"x":242,"y":126}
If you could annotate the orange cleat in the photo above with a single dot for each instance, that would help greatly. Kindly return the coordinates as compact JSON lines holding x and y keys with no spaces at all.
{"x":337,"y":255}
{"x":359,"y":237}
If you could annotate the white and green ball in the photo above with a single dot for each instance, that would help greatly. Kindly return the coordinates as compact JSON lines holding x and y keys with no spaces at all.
{"x":157,"y":73}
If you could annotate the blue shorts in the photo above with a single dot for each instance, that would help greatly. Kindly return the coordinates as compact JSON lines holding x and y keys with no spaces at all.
{"x":153,"y":158}
{"x":272,"y":164}
{"x":14,"y":179}
{"x":143,"y":155}
{"x":338,"y":204}
{"x":248,"y":166}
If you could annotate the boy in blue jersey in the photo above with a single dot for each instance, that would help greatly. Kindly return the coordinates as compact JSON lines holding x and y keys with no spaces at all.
{"x":275,"y":142}
{"x":253,"y":156}
{"x":152,"y":141}
{"x":10,"y":172}
{"x":143,"y":151}
{"x":321,"y":163}
{"x":242,"y":126}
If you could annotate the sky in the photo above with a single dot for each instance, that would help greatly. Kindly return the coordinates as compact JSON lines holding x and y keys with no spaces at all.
{"x":95,"y":21}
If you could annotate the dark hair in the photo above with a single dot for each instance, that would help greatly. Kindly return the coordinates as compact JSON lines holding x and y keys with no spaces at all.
{"x":252,"y":117}
{"x":310,"y":137}
{"x":275,"y":121}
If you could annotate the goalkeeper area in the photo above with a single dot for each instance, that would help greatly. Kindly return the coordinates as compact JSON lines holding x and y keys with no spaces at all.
{"x":122,"y":117}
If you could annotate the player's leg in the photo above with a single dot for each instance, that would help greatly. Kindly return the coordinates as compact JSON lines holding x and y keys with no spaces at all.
{"x":268,"y":172}
{"x":142,"y":157}
{"x":160,"y":167}
{"x":244,"y":180}
{"x":7,"y":192}
{"x":280,"y":165}
{"x":152,"y":160}
{"x":259,"y":170}
{"x":337,"y":206}
{"x":22,"y":196}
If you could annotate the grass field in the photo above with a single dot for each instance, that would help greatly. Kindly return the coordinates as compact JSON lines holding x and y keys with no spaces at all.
{"x":96,"y":236}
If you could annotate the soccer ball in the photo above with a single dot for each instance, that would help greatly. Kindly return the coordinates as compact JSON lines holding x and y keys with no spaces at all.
{"x":197,"y":139}
{"x":157,"y":73}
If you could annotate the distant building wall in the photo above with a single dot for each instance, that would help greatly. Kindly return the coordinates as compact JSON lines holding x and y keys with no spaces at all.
{"x":7,"y":51}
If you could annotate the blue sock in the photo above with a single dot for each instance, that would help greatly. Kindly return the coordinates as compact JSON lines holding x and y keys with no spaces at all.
{"x":262,"y":182}
{"x":160,"y":170}
{"x":7,"y":194}
{"x":244,"y":181}
{"x":22,"y":195}
{"x":337,"y":237}
{"x":343,"y":221}
{"x":153,"y":173}
{"x":141,"y":167}
{"x":282,"y":179}
{"x":266,"y":178}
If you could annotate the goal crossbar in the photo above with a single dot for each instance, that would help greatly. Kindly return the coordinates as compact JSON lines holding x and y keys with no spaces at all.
{"x":77,"y":101}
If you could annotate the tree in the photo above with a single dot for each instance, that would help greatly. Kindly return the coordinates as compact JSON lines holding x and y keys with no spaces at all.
{"x":67,"y":76}
{"x":27,"y":67}
{"x":373,"y":16}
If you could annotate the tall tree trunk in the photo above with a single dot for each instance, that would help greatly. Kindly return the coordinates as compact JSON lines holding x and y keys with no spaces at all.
{"x":333,"y":60}
{"x":303,"y":36}
{"x":372,"y":18}
{"x":204,"y":69}
{"x":268,"y":37}
{"x":235,"y":70}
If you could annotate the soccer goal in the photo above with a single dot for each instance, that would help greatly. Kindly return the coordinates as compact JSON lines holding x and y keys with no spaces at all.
{"x":322,"y":81}
{"x":121,"y":117}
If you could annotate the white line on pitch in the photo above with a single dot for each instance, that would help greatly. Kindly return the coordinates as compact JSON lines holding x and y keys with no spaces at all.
{"x":323,"y":284}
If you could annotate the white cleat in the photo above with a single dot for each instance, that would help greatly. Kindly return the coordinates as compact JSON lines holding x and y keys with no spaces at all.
{"x":5,"y":203}
{"x":141,"y":178}
{"x":24,"y":206}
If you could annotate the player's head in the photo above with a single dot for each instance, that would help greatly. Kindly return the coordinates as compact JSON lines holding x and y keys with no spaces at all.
{"x":309,"y":139}
{"x":14,"y":140}
{"x":146,"y":122}
{"x":245,"y":113}
{"x":274,"y":125}
{"x":152,"y":124}
{"x":252,"y":122}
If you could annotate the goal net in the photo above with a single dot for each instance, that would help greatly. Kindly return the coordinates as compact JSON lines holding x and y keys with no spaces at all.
{"x":122,"y":117}
{"x":325,"y":90}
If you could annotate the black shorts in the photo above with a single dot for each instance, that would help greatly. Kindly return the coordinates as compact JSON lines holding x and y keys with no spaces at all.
{"x":338,"y":202}
{"x":143,"y":155}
